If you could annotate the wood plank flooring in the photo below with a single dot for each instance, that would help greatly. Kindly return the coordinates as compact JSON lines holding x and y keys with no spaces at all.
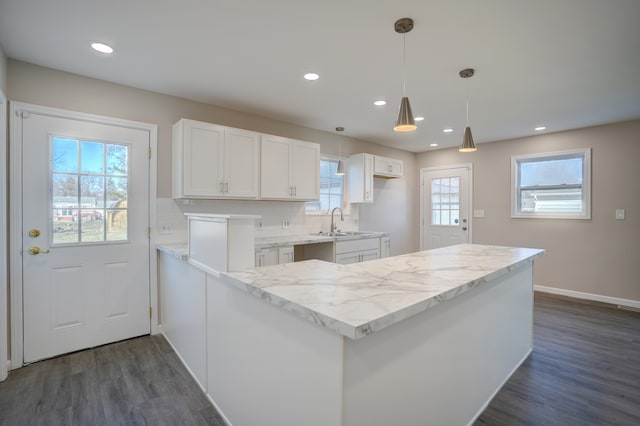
{"x":585,"y":370}
{"x":135,"y":382}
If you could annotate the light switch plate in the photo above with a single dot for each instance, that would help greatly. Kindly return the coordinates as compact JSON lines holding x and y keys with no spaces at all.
{"x":620,"y":214}
{"x":478,"y":213}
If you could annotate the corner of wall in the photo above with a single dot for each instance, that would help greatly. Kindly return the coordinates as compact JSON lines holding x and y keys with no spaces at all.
{"x":3,"y":71}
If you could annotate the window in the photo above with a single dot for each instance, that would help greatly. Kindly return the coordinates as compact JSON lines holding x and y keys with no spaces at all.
{"x":331,"y":188}
{"x":553,"y":185}
{"x":89,"y":191}
{"x":445,"y":201}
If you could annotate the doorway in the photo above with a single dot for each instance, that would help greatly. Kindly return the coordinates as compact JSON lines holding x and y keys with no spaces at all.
{"x":81,"y":224}
{"x":445,"y":206}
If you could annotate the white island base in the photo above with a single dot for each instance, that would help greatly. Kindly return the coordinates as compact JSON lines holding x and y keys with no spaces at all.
{"x":439,"y":367}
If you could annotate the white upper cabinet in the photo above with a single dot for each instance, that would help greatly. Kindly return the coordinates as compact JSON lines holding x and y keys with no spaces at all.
{"x":385,"y":167}
{"x":360,"y":178}
{"x":290,"y":169}
{"x":212,"y":161}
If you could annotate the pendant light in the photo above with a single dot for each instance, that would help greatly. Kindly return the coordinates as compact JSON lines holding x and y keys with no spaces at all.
{"x":340,"y":169}
{"x":405,"y":122}
{"x":467,"y":139}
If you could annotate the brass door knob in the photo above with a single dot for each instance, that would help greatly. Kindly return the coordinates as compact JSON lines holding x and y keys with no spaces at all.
{"x":36,"y":250}
{"x":34,"y":233}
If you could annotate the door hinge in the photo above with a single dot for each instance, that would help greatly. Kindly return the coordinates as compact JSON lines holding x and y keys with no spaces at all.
{"x":149,"y":232}
{"x":150,"y":312}
{"x":149,"y":152}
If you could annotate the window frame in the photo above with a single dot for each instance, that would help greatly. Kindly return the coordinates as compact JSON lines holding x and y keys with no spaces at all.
{"x":516,"y":160}
{"x":345,"y":204}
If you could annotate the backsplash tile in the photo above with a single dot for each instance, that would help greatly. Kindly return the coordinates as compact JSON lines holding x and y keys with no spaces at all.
{"x":170,"y":214}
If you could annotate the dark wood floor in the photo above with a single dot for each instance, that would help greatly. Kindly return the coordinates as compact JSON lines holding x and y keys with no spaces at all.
{"x":136,"y":382}
{"x":585,"y":370}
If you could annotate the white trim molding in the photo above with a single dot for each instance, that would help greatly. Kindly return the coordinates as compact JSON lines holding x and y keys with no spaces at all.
{"x":589,"y":296}
{"x":15,"y":210}
{"x":4,"y":274}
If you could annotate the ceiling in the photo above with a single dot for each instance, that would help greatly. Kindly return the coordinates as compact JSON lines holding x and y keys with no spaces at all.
{"x":561,"y":63}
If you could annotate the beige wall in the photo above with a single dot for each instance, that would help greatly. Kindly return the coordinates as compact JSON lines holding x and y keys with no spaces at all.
{"x":598,"y":256}
{"x":395,"y":205}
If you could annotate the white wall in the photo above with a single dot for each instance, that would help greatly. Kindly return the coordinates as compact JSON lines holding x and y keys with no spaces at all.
{"x":598,"y":256}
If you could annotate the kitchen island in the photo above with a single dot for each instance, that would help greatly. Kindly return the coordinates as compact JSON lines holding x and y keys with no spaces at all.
{"x":419,"y":339}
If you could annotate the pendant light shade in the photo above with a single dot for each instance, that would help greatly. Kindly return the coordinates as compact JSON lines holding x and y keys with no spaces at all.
{"x":467,"y":140}
{"x":405,"y":122}
{"x":340,"y":169}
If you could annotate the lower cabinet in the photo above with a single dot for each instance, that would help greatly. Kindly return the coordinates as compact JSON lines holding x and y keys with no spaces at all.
{"x":355,"y":251}
{"x":385,"y":247}
{"x":274,"y":256}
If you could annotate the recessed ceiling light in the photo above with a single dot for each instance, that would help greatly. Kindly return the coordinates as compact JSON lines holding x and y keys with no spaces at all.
{"x":418,"y":118}
{"x":447,"y":130}
{"x":102,"y":48}
{"x":540,"y":128}
{"x":433,"y":144}
{"x":380,"y":103}
{"x":311,"y":76}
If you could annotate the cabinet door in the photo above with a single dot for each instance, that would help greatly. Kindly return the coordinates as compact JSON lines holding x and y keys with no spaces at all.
{"x":361,"y":178}
{"x":276,"y":168}
{"x":285,"y":254}
{"x":369,"y":255}
{"x":368,"y":178}
{"x":202,"y":159}
{"x":241,"y":163}
{"x":267,"y":257}
{"x":306,"y":171}
{"x":385,"y":246}
{"x":347,"y":258}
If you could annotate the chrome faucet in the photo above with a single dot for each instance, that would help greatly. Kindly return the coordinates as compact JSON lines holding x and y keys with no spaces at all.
{"x":333,"y":225}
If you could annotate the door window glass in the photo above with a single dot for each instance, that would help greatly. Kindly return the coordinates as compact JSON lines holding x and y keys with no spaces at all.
{"x":89,"y":191}
{"x":445,"y":201}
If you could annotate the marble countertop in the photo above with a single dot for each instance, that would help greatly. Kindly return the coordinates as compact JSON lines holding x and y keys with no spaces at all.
{"x":177,"y":250}
{"x":358,"y":299}
{"x":294,"y":240}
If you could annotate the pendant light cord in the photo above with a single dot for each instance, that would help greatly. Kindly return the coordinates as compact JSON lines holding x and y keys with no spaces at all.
{"x":467,"y":96}
{"x":404,"y":64}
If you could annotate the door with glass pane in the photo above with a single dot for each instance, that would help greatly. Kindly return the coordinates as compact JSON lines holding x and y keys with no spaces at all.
{"x":446,"y":203}
{"x":85,"y":234}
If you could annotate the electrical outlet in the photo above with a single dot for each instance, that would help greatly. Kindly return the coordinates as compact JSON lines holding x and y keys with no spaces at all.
{"x":165,"y":229}
{"x":620,"y":214}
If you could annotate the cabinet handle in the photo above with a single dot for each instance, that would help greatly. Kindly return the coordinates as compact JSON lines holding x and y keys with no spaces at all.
{"x":221,"y":187}
{"x":226,"y":187}
{"x":295,"y":191}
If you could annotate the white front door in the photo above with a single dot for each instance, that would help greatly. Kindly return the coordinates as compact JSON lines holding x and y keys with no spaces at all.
{"x":85,"y":246}
{"x":446,"y":204}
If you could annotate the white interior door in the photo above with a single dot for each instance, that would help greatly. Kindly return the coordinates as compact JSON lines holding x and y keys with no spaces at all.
{"x":446,"y":204}
{"x":85,"y":247}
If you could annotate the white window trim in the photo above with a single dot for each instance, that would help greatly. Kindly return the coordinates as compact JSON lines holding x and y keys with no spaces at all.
{"x":346,"y":206}
{"x":586,"y":186}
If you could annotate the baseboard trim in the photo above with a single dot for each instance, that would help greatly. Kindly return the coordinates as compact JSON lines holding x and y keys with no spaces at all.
{"x":486,"y":404}
{"x":589,"y":296}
